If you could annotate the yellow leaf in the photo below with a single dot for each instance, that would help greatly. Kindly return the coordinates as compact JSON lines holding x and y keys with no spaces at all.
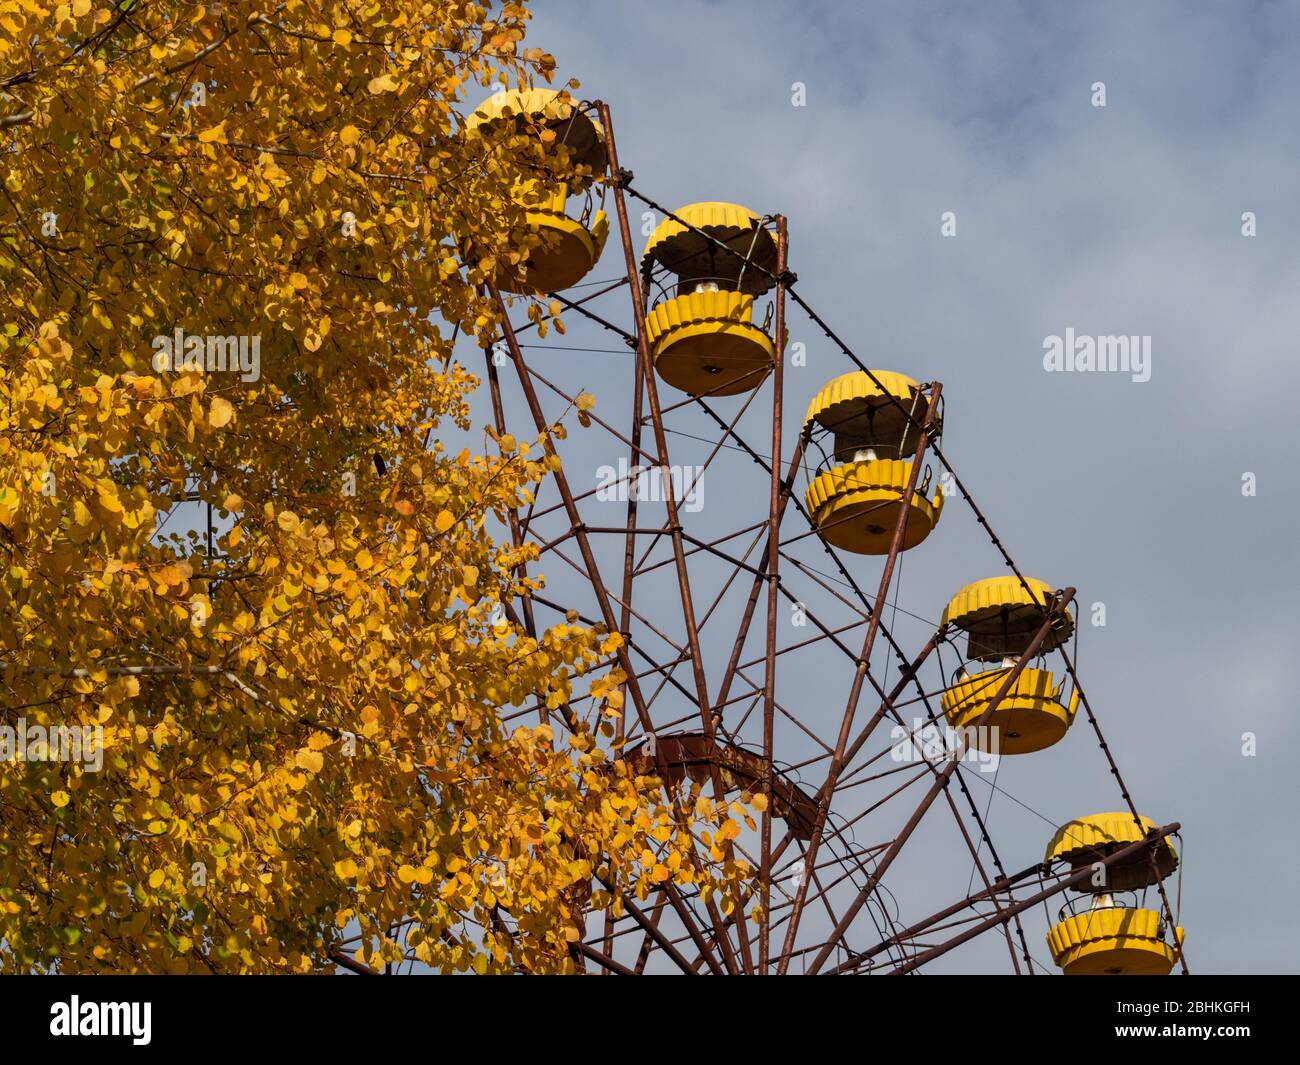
{"x":382,"y":84}
{"x":287,"y":520}
{"x":343,"y":37}
{"x":585,"y":400}
{"x":444,"y":521}
{"x":108,"y":497}
{"x":214,"y":134}
{"x":156,"y":878}
{"x":220,"y":412}
{"x":312,"y":761}
{"x":60,"y":799}
{"x":349,"y":135}
{"x":170,"y":575}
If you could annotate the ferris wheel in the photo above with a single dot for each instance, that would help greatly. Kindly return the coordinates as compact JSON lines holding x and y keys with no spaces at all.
{"x":738,"y":618}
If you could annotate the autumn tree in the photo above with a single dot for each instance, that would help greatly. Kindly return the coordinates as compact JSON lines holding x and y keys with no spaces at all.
{"x":304,"y":756}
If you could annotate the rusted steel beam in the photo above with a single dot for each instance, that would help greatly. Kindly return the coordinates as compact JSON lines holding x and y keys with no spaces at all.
{"x":607,"y":963}
{"x":773,"y":597}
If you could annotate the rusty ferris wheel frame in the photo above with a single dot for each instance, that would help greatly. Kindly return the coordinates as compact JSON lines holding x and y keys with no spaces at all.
{"x":675,"y":929}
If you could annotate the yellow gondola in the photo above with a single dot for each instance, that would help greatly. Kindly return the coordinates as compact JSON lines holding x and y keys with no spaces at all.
{"x":569,"y":246}
{"x":1087,"y":840}
{"x":1028,"y":718}
{"x":1109,"y":940}
{"x":702,"y":336}
{"x":856,"y":502}
{"x":1108,"y":937}
{"x":1000,"y":617}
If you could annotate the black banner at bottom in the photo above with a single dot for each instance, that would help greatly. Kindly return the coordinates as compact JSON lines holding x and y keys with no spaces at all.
{"x":146,"y":1013}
